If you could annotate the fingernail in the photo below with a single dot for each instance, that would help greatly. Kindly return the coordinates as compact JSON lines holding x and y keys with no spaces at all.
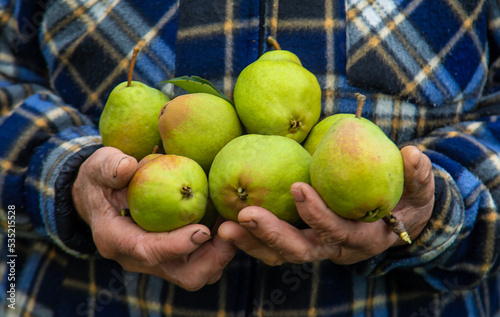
{"x":297,"y":194}
{"x":249,"y":224}
{"x":199,"y":237}
{"x":115,"y":171}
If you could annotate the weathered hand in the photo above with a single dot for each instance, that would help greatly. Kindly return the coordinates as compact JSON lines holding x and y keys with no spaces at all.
{"x":264,"y":236}
{"x":184,"y":256}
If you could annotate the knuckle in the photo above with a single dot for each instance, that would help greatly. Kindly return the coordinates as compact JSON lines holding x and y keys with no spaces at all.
{"x":127,"y":247}
{"x":327,"y":238}
{"x":143,"y":253}
{"x":271,"y":237}
{"x":300,"y":257}
{"x":313,"y":216}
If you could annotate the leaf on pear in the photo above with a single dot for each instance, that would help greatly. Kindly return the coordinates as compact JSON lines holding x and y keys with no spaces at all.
{"x":195,"y":84}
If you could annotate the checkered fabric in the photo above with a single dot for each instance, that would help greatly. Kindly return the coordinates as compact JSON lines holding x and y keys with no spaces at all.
{"x":430,"y":70}
{"x":414,"y":50}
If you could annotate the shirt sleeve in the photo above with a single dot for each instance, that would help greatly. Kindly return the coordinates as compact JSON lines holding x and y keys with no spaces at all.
{"x":459,"y":247}
{"x":43,"y":139}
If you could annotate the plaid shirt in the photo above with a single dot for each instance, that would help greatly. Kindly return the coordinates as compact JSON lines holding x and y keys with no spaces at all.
{"x":430,"y":72}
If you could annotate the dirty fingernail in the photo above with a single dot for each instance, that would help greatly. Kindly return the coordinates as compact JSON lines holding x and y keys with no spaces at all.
{"x":115,"y":170}
{"x":249,"y":224}
{"x":200,"y":237}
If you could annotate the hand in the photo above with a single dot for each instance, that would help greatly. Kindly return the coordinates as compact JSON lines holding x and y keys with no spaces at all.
{"x":183,"y":256}
{"x":264,"y":236}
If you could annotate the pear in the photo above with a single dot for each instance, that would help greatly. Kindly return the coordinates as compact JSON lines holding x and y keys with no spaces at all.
{"x":258,"y":170}
{"x":198,"y":126}
{"x":276,"y":95}
{"x":129,"y":118}
{"x":149,"y":157}
{"x":357,"y":170}
{"x":168,"y":192}
{"x":319,"y":130}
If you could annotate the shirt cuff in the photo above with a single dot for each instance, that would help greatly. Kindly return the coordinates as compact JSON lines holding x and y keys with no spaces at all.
{"x":52,"y":171}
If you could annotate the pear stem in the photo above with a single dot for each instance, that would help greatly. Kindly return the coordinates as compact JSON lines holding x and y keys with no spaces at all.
{"x":156,"y":149}
{"x":398,"y":227}
{"x":361,"y":103}
{"x":273,"y":42}
{"x":131,"y":66}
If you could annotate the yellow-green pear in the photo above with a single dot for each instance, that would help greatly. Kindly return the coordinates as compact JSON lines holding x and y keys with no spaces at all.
{"x":167,"y":192}
{"x":276,"y":95}
{"x":148,"y":158}
{"x":357,"y":170}
{"x":258,"y":170}
{"x":198,"y":126}
{"x":319,"y":130}
{"x":129,"y":120}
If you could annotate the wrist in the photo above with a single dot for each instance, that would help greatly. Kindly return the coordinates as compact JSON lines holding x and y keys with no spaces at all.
{"x":72,"y":228}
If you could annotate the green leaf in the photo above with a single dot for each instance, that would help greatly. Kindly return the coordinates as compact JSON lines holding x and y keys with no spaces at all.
{"x":195,"y":84}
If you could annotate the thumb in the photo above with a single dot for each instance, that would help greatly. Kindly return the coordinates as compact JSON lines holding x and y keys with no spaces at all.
{"x":417,"y":169}
{"x":111,"y":167}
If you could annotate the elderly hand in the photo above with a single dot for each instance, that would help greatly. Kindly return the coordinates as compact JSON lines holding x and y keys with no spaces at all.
{"x":186,"y":256}
{"x":262,"y":235}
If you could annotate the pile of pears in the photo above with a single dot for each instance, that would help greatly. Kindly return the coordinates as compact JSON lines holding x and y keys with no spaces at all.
{"x":202,"y":155}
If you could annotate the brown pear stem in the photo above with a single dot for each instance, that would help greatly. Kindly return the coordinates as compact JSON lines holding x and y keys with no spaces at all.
{"x":398,"y":227}
{"x":131,"y":66}
{"x":361,"y":103}
{"x":156,"y":149}
{"x":273,"y":42}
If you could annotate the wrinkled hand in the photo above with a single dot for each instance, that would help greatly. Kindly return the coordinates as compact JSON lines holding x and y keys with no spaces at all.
{"x":264,"y":236}
{"x":183,"y":256}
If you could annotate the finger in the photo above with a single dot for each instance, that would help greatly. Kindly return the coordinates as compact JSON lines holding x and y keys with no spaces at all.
{"x":205,"y":265}
{"x":119,"y":237}
{"x":417,"y":168}
{"x":331,"y":228}
{"x":279,"y":235}
{"x":243,"y":239}
{"x":335,"y":233}
{"x":415,"y":207}
{"x":110,"y":167}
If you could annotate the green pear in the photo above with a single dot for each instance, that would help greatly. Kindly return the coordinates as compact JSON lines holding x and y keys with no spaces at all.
{"x":276,"y":95}
{"x":357,"y":170}
{"x":319,"y":130}
{"x":129,"y":118}
{"x":281,"y":55}
{"x":148,"y":158}
{"x":258,"y":170}
{"x":198,"y":126}
{"x":168,"y":192}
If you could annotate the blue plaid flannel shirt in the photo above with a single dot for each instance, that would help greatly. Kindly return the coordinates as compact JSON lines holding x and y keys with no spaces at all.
{"x":430,"y":70}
